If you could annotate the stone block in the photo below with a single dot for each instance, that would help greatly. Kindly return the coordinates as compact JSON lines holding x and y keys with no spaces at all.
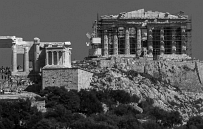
{"x":70,"y":78}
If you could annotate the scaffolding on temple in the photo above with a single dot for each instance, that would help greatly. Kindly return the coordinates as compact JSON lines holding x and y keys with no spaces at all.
{"x":133,"y":32}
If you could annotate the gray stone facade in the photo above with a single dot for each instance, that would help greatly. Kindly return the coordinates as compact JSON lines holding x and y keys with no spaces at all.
{"x":70,"y":78}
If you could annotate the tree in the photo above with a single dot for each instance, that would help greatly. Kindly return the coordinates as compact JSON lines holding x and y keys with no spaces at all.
{"x":60,"y":114}
{"x":33,"y":120}
{"x":8,"y":124}
{"x":125,"y":110}
{"x":89,"y":103}
{"x":70,"y":100}
{"x":121,"y":96}
{"x":129,"y":122}
{"x":172,"y":118}
{"x":151,"y":125}
{"x":44,"y":124}
{"x":59,"y":95}
{"x":89,"y":123}
{"x":195,"y":121}
{"x":167,"y":119}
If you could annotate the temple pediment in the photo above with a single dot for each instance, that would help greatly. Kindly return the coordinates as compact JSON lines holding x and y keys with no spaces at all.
{"x":141,"y":14}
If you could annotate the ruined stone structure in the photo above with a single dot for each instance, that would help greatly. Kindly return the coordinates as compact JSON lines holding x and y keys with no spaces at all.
{"x":52,"y":60}
{"x":132,"y":34}
{"x":37,"y":54}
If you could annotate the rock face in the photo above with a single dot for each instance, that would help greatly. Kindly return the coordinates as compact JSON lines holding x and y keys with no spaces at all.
{"x":172,"y":85}
{"x":184,"y":75}
{"x":187,"y":75}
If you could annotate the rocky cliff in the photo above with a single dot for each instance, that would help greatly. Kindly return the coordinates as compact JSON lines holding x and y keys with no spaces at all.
{"x":173,"y":85}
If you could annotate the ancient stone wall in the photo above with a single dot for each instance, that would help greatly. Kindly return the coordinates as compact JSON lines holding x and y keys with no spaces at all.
{"x":71,"y":78}
{"x":60,"y":77}
{"x":84,"y":79}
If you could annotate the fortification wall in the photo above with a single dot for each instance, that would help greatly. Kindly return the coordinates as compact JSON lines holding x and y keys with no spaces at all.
{"x":185,"y":74}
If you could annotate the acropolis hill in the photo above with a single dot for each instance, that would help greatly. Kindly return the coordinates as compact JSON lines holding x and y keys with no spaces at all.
{"x":142,"y":52}
{"x":149,"y":42}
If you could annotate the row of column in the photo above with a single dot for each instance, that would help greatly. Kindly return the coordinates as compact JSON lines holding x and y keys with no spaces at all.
{"x":14,"y":58}
{"x":173,"y":45}
{"x":150,"y":42}
{"x":127,"y":43}
{"x":57,"y":57}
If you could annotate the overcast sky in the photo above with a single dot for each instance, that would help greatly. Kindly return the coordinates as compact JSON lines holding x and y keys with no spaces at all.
{"x":70,"y":20}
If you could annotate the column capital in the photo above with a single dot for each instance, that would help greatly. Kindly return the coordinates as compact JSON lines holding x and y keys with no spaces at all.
{"x":14,"y":41}
{"x":36,"y":40}
{"x":26,"y":49}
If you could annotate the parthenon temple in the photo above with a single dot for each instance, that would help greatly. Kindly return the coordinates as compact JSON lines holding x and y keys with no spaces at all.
{"x":140,"y":33}
{"x":36,"y":54}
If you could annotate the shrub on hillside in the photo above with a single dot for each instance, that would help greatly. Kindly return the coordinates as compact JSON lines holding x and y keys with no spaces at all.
{"x":89,"y":123}
{"x":172,"y":118}
{"x":60,"y":114}
{"x":121,"y":96}
{"x":125,"y":110}
{"x":56,"y":96}
{"x":18,"y":114}
{"x":111,"y":119}
{"x":129,"y":122}
{"x":89,"y":103}
{"x":196,"y":121}
{"x":146,"y":105}
{"x":151,"y":125}
{"x":167,"y":119}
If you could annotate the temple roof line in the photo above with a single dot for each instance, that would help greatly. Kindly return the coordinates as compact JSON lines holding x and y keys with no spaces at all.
{"x":137,"y":14}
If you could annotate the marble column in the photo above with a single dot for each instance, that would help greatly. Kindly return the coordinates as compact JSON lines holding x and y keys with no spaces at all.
{"x":173,"y":41}
{"x":57,"y":56}
{"x":139,"y":38}
{"x":162,"y":48}
{"x":63,"y":57}
{"x":14,"y":60}
{"x":115,"y":44}
{"x":52,"y":58}
{"x":70,"y":58}
{"x":150,"y":42}
{"x":36,"y":54}
{"x":47,"y":57}
{"x":106,"y":44}
{"x":26,"y":59}
{"x":127,"y":41}
{"x":183,"y":41}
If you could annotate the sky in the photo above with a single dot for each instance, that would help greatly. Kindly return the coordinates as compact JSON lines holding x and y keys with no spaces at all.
{"x":70,"y":20}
